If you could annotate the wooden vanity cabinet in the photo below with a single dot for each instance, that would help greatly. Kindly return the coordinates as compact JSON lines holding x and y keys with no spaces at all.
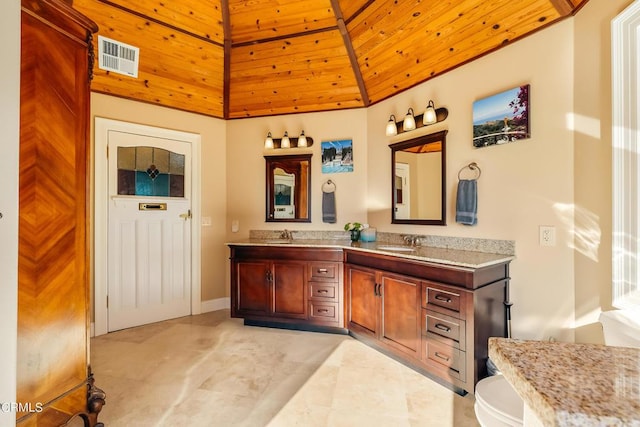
{"x":271,"y":288}
{"x":436,"y":318}
{"x":287,"y":286}
{"x":385,"y":307}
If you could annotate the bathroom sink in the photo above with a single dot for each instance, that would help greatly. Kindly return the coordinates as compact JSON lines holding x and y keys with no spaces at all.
{"x":278,"y":241}
{"x":396,"y":248}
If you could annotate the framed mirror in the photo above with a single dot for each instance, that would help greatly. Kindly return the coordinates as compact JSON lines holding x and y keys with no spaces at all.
{"x":288,"y":188}
{"x":418,"y":170}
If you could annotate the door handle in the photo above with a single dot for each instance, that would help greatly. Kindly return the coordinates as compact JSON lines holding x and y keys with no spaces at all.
{"x":186,"y":215}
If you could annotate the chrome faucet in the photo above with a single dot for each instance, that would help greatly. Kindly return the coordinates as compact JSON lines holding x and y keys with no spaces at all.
{"x":286,"y":234}
{"x":412,"y":240}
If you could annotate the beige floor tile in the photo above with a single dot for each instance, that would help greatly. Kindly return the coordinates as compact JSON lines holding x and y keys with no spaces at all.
{"x":210,"y":370}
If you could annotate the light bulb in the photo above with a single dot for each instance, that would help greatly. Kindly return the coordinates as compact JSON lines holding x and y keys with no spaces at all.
{"x":391,"y":126}
{"x":285,"y":143}
{"x":302,"y":140}
{"x":268,"y":143}
{"x":409,"y":121}
{"x":429,"y":117}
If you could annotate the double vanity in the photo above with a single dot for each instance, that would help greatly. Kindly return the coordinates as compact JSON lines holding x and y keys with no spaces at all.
{"x":430,"y":307}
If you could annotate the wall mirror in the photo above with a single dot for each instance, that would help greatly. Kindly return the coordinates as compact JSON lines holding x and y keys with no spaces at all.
{"x":418,"y":170}
{"x":288,"y":188}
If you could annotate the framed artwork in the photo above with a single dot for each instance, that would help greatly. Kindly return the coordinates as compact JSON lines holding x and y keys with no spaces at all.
{"x":337,"y":156}
{"x":501,"y":118}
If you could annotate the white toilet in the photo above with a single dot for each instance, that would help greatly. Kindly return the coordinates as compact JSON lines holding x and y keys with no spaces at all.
{"x":497,"y":403}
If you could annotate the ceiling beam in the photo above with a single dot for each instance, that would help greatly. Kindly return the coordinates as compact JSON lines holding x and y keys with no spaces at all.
{"x":350,"y":51}
{"x":226,"y":89}
{"x":564,"y":7}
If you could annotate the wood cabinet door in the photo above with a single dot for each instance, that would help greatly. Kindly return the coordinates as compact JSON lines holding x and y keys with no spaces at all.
{"x":252,"y":288}
{"x":401,"y":313}
{"x":362,"y":301}
{"x":52,"y":254}
{"x":289,"y":290}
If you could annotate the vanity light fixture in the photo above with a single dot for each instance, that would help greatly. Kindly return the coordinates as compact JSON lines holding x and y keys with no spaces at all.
{"x":429,"y":116}
{"x":409,"y":122}
{"x":286,"y":142}
{"x":391,"y":126}
{"x":268,"y":142}
{"x":302,"y":140}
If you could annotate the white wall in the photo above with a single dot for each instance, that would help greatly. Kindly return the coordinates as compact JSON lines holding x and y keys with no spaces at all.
{"x":593,"y":179}
{"x":9,"y":123}
{"x":523,"y":185}
{"x":558,"y":177}
{"x":246,"y":171}
{"x":213,"y":167}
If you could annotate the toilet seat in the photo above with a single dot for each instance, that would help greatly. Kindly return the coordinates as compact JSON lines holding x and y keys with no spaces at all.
{"x":497,"y":403}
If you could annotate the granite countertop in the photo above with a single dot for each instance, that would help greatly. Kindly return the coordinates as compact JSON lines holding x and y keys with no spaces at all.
{"x":455,"y":257}
{"x":567,"y":384}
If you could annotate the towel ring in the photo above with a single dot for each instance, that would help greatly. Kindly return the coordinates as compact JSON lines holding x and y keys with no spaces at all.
{"x":474,"y":167}
{"x":331,"y":186}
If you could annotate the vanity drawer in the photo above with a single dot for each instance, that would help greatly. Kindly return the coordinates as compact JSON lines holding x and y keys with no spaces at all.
{"x":322,"y":291}
{"x":445,"y":358}
{"x":445,"y":329}
{"x":323,"y":311}
{"x":436,"y":298}
{"x":324,"y":271}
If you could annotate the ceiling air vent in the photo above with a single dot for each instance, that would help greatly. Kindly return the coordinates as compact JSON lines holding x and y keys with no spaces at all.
{"x":118,"y":57}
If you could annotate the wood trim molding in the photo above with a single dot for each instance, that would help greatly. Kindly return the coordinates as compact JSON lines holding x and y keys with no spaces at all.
{"x":226,"y":89}
{"x":564,"y":7}
{"x":351,"y":52}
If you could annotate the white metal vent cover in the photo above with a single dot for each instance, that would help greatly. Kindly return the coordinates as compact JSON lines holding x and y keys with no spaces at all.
{"x":118,"y":57}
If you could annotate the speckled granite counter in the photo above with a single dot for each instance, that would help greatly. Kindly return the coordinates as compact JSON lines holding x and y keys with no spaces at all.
{"x":457,"y":257}
{"x":568,"y":384}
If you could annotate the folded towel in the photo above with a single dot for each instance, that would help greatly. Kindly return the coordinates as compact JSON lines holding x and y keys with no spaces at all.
{"x":329,"y":207}
{"x":467,"y":202}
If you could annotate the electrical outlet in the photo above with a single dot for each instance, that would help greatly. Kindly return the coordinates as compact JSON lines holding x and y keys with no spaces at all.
{"x":547,"y":235}
{"x":235,"y":226}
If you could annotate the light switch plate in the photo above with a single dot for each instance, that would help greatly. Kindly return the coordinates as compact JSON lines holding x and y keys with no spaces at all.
{"x":206,"y":221}
{"x":235,"y":226}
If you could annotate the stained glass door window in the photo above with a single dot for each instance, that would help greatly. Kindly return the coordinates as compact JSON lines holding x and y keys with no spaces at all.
{"x":150,"y":171}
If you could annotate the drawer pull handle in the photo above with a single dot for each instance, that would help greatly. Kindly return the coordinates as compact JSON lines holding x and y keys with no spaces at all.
{"x":441,"y":356}
{"x":323,"y":310}
{"x":322,"y":291}
{"x":443,"y":298}
{"x":442,"y":327}
{"x":322,"y":270}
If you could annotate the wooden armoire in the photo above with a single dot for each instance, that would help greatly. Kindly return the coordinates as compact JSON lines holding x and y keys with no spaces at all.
{"x":55,"y":385}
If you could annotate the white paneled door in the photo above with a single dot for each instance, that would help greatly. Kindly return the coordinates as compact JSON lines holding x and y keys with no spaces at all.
{"x":149,"y":229}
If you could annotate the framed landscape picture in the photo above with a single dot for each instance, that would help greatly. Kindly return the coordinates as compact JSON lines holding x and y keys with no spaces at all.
{"x":501,"y":118}
{"x":337,"y":156}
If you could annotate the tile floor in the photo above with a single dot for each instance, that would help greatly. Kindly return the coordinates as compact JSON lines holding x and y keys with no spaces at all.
{"x":211,"y":370}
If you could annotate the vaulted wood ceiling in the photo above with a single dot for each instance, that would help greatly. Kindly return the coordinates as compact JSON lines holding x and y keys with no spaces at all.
{"x":249,"y":58}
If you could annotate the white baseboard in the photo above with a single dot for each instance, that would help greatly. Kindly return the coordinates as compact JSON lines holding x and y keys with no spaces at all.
{"x":215,"y":304}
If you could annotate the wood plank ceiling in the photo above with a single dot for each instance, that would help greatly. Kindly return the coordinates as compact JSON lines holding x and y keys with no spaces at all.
{"x":248,"y":58}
